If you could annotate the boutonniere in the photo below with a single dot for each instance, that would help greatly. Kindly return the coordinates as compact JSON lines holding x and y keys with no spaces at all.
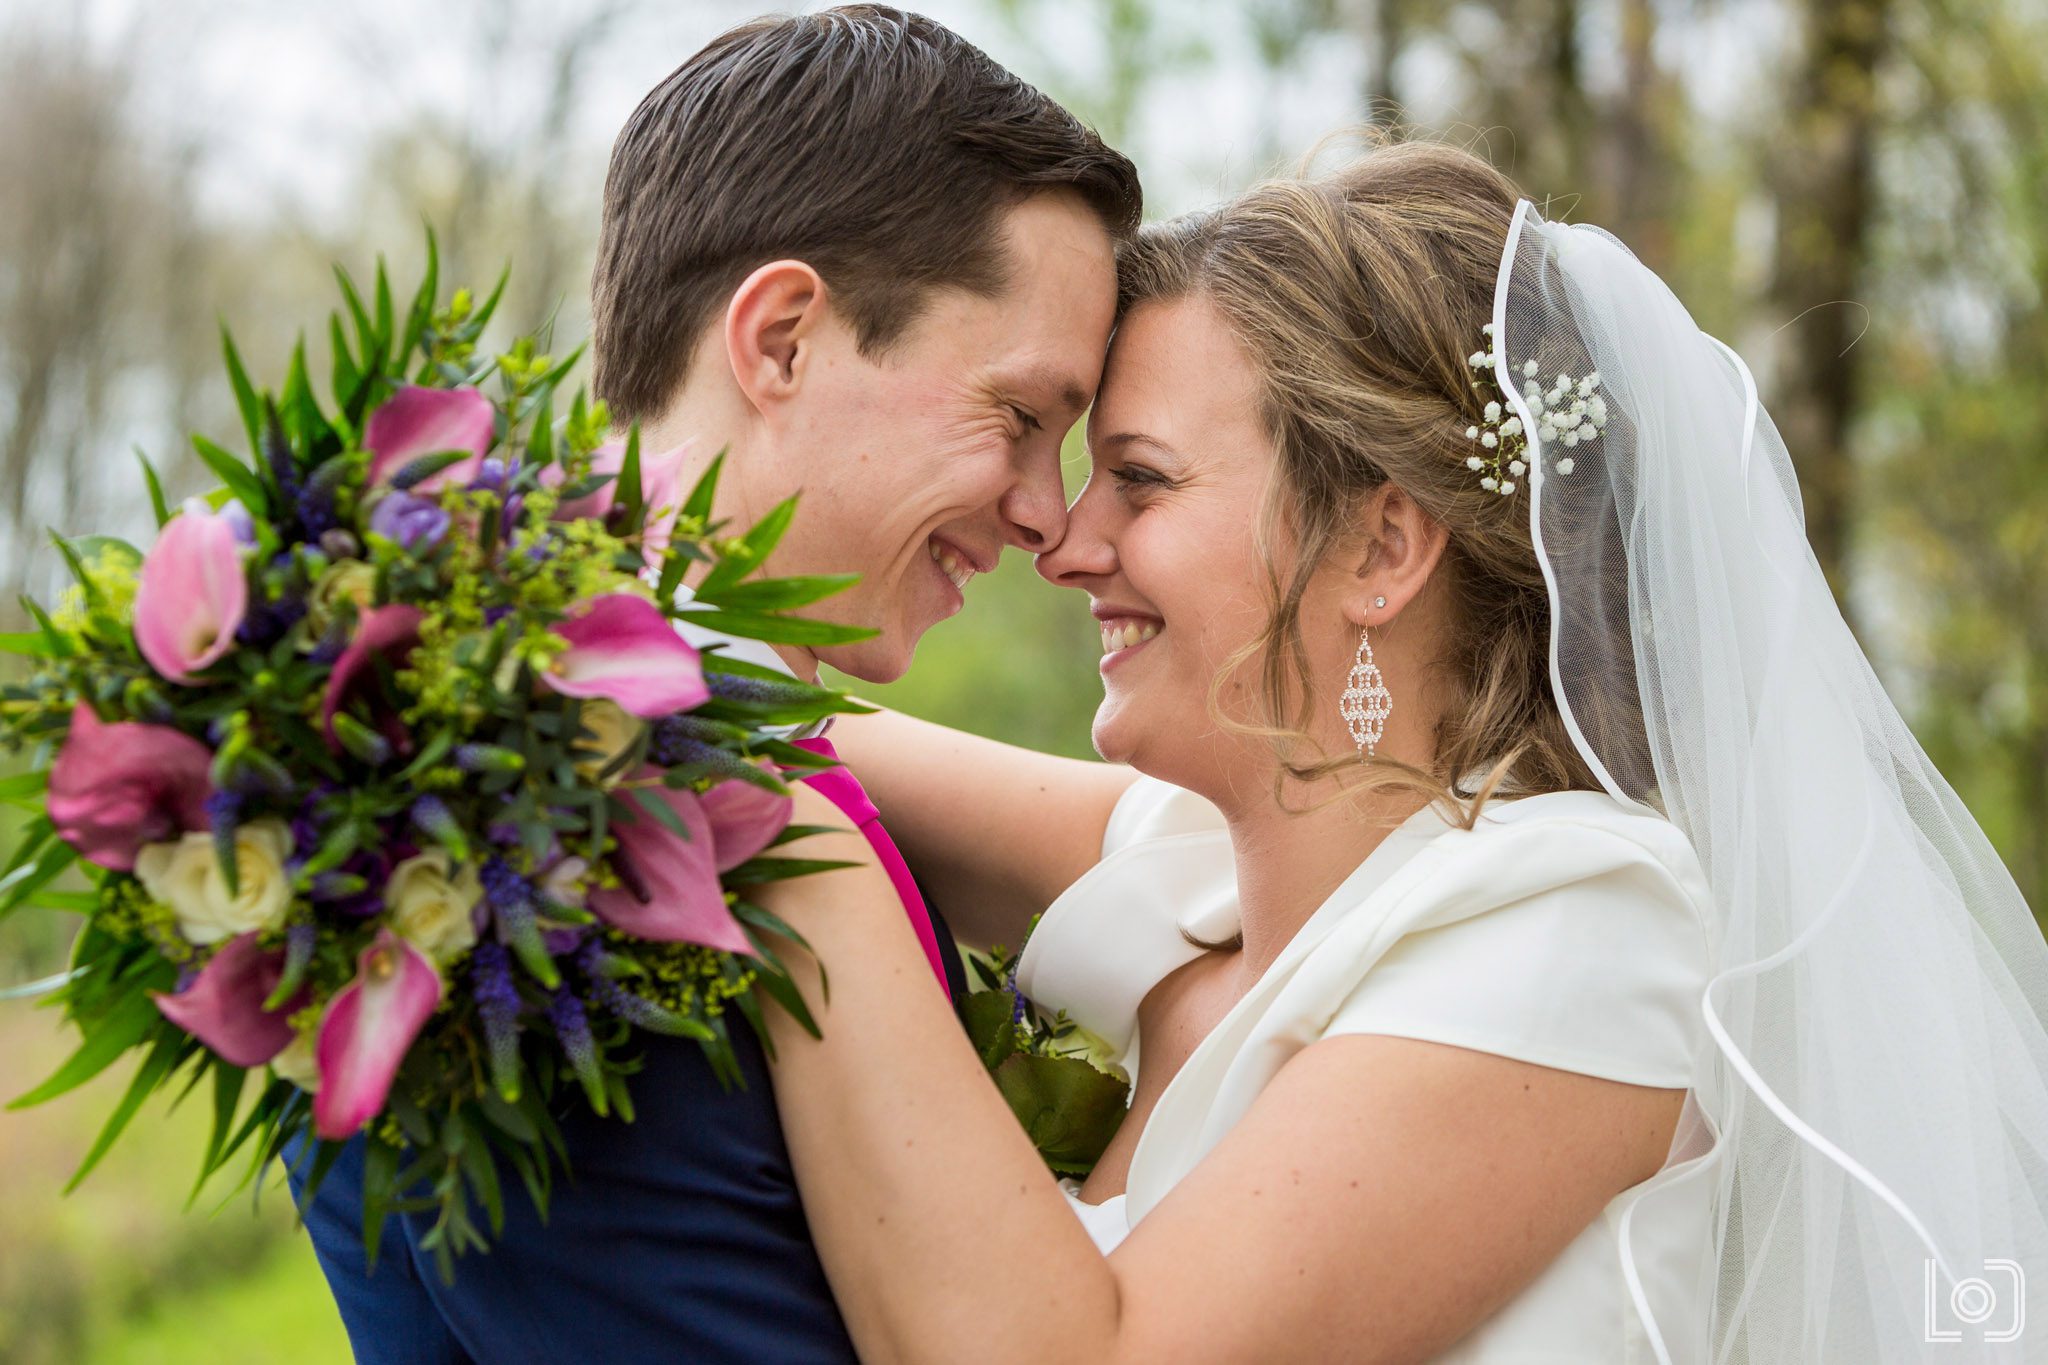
{"x":1058,"y":1077}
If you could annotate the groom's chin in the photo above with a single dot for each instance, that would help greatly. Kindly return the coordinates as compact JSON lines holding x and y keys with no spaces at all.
{"x":880,"y":660}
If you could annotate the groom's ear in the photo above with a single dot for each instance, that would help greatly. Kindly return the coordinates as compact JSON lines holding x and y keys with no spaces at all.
{"x":771,"y":329}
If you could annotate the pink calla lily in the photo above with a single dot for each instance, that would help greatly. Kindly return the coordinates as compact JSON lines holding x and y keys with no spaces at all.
{"x":367,"y":1030}
{"x":117,"y":787}
{"x":191,"y":596}
{"x":672,"y":894}
{"x":623,"y":649}
{"x":662,"y":490}
{"x":223,"y":1007}
{"x":390,"y":628}
{"x":418,"y":421}
{"x":744,"y":820}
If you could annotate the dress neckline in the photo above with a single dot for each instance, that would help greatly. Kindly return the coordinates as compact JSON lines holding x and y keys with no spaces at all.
{"x":1378,"y":866}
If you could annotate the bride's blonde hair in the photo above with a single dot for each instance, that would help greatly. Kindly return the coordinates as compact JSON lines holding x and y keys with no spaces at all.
{"x":1360,"y":295}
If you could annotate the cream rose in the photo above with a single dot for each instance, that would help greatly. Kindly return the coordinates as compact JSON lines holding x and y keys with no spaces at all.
{"x":186,"y":876}
{"x":614,"y":731}
{"x":431,"y":901}
{"x":347,"y":580}
{"x":298,"y":1062}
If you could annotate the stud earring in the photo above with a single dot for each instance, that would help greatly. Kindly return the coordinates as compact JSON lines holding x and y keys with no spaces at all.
{"x":1366,"y":703}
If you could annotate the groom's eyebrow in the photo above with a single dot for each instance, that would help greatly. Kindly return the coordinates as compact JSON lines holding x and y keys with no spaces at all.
{"x":1071,"y":394}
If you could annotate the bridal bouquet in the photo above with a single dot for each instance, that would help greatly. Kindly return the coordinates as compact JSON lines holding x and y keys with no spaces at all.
{"x":385,"y":775}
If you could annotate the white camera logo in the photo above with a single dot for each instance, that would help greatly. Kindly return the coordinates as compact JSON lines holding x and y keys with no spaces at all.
{"x":1974,"y":1301}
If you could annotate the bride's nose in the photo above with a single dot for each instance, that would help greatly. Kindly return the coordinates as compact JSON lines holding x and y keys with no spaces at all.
{"x":1088,"y":550}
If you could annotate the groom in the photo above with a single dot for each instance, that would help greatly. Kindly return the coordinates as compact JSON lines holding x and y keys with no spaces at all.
{"x":878,"y":268}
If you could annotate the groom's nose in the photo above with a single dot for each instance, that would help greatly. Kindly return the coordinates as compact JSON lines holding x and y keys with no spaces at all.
{"x":1034,"y":510}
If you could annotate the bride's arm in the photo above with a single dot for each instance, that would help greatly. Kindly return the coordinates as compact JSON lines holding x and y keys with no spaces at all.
{"x":1381,"y":1198}
{"x":993,"y":831}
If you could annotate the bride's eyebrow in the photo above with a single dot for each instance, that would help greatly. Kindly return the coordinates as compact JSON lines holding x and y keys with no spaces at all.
{"x":1124,"y":440}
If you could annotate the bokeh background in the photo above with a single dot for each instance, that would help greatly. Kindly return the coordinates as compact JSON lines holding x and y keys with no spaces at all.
{"x":1854,"y":193}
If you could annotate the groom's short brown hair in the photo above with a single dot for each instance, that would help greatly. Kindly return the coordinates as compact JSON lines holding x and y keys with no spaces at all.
{"x":876,"y":145}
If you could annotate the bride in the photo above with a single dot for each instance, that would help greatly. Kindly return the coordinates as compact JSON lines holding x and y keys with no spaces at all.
{"x":1533,"y":936}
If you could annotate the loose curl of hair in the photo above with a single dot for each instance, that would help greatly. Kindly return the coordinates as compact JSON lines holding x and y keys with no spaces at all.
{"x":1359,"y":295}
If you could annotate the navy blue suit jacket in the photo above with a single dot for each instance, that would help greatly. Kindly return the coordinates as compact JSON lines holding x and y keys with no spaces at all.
{"x":679,"y":1237}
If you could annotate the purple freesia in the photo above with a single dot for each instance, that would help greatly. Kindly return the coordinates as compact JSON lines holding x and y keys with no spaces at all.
{"x":117,"y":787}
{"x":419,"y":421}
{"x":223,"y":1006}
{"x":671,"y":892}
{"x":191,"y":596}
{"x":415,"y":523}
{"x":367,"y":1030}
{"x":492,"y":476}
{"x":622,"y":648}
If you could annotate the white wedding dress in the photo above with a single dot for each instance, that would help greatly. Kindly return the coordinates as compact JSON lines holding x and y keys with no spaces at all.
{"x":1568,"y":930}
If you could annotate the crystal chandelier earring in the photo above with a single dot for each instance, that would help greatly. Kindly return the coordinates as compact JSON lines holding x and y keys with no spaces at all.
{"x":1366,"y":703}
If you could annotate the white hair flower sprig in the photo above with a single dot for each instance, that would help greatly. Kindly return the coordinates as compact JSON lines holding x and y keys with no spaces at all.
{"x":1570,"y":412}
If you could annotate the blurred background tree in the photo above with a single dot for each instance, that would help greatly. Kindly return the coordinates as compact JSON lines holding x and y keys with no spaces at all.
{"x":1852,"y":192}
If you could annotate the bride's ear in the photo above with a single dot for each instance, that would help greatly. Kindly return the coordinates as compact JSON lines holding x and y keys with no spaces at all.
{"x":1397,"y":548}
{"x":771,"y":328}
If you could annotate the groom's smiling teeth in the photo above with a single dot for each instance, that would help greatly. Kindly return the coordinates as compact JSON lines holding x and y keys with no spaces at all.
{"x":1123,"y":632}
{"x":950,"y":564}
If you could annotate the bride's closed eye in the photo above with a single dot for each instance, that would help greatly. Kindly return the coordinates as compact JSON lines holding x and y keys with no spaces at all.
{"x":1137,"y":475}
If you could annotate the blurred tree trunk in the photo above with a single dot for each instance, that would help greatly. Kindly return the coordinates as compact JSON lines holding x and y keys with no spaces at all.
{"x":1638,"y":166}
{"x":1825,"y":204}
{"x":1383,"y":30}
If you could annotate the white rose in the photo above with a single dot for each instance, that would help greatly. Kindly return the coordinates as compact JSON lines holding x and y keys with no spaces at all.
{"x":298,"y":1064}
{"x":431,"y":902}
{"x":563,"y":883}
{"x":186,"y":876}
{"x":347,"y":580}
{"x":614,"y":731}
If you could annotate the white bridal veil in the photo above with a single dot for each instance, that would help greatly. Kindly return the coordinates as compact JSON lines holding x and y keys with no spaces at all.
{"x":1878,"y":1008}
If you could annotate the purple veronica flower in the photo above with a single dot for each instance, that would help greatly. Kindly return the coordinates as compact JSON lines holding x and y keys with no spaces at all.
{"x":414,"y":522}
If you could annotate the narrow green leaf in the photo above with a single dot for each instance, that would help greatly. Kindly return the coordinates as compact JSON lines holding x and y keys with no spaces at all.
{"x":540,"y":446}
{"x":785,"y":630}
{"x":366,"y":330}
{"x":58,"y":644}
{"x":754,"y":547}
{"x":228,"y":1081}
{"x":481,"y":317}
{"x":345,"y":375}
{"x":163,"y":1059}
{"x":122,"y":1029}
{"x":245,"y":392}
{"x":157,"y":505}
{"x":777,"y":594}
{"x":239,"y":478}
{"x":384,"y":317}
{"x":77,"y":567}
{"x":631,"y":497}
{"x":562,"y":367}
{"x":32,"y":643}
{"x":698,"y":505}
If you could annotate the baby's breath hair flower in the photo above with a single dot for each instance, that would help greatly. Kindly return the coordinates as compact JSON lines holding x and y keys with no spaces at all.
{"x":1570,"y":412}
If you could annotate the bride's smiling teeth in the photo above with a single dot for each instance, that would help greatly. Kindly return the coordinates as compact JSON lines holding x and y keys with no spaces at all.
{"x":950,"y":564}
{"x":1123,"y":632}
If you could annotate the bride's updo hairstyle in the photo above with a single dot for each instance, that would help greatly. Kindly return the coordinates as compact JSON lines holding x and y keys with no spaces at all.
{"x":1360,"y":295}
